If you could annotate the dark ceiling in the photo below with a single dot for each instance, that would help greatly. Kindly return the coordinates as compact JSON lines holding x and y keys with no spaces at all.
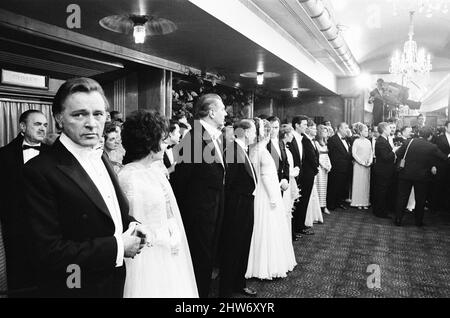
{"x":201,"y":41}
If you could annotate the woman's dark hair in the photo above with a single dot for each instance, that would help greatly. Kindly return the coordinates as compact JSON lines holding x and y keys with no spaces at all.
{"x":285,"y":129}
{"x":143,"y":132}
{"x":109,"y":128}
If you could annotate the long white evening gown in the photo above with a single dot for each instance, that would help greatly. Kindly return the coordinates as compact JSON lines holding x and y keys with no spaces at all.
{"x":156,"y":272}
{"x":313,"y":212}
{"x":271,"y":251}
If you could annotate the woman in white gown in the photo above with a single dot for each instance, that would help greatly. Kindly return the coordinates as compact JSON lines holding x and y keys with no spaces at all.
{"x":271,"y":251}
{"x":164,"y":269}
{"x":313,"y":212}
{"x":362,"y":153}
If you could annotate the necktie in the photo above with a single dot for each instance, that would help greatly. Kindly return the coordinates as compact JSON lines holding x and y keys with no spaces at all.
{"x":25,"y":147}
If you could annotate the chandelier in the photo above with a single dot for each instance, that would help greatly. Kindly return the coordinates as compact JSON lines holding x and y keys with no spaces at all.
{"x":412,"y":60}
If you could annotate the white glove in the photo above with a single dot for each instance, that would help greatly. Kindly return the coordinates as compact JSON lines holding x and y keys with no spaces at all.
{"x":175,"y":238}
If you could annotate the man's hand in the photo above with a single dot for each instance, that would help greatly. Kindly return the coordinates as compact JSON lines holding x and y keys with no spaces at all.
{"x":147,"y":236}
{"x":284,"y":184}
{"x":296,"y":172}
{"x":131,"y":242}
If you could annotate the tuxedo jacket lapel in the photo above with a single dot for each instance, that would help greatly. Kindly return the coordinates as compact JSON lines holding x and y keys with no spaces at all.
{"x":70,"y":166}
{"x":209,"y":144}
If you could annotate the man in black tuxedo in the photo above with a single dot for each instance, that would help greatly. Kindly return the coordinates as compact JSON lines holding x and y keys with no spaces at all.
{"x":198,"y":183}
{"x":420,"y":124}
{"x":420,"y":164}
{"x":240,"y":184}
{"x":376,"y":98}
{"x":340,"y":153}
{"x":75,"y":207}
{"x":308,"y":171}
{"x":277,"y":150}
{"x":300,"y":124}
{"x":443,"y":171}
{"x":27,"y":145}
{"x":172,"y":140}
{"x":383,"y":170}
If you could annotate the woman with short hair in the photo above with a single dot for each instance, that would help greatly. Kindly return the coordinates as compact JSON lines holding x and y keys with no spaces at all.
{"x":165,"y":269}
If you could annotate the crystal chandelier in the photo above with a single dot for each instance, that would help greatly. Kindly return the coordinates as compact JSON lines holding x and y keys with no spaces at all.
{"x":412,"y":60}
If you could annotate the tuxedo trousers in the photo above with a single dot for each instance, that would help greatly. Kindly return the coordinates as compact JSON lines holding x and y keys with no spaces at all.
{"x":338,"y":188}
{"x":381,"y":186}
{"x":235,"y":242}
{"x":306,"y":183}
{"x":420,"y":193}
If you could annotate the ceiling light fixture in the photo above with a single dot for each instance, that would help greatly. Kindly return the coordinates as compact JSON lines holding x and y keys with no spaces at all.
{"x":295,"y":92}
{"x":320,"y":102}
{"x":411,"y":61}
{"x":260,"y":78}
{"x":140,"y":25}
{"x":139,"y":34}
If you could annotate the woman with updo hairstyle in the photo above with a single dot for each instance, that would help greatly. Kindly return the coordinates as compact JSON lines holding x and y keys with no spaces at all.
{"x":111,"y":144}
{"x":271,"y":252}
{"x":362,"y":155}
{"x":324,"y":166}
{"x":163,"y":269}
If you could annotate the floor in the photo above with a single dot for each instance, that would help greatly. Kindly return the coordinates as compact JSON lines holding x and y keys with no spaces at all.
{"x":355,"y":254}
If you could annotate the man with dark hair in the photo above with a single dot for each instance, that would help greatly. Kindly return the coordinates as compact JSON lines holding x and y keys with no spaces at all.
{"x":384,"y":169}
{"x":420,"y":164}
{"x":76,"y":209}
{"x":339,"y":151}
{"x":277,"y":150}
{"x":376,"y":98}
{"x":240,"y":184}
{"x":116,"y":116}
{"x":420,"y":124}
{"x":198,"y":183}
{"x":300,"y":124}
{"x":27,"y":145}
{"x":172,"y":140}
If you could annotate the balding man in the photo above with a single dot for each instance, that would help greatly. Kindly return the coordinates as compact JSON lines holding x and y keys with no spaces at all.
{"x":198,"y":183}
{"x":27,"y":145}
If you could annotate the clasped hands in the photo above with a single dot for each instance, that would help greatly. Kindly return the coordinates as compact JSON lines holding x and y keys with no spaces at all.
{"x":135,"y":238}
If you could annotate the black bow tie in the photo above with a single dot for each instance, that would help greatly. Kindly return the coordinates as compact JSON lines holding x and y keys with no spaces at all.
{"x":25,"y":147}
{"x":343,"y":138}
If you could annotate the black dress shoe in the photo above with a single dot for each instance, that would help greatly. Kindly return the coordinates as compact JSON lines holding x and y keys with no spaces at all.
{"x":248,"y":292}
{"x":297,"y":236}
{"x":343,"y":207}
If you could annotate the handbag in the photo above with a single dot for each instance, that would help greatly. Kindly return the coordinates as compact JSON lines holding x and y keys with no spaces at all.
{"x":403,"y":161}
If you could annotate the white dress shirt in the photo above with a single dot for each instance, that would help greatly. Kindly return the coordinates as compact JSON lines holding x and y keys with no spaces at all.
{"x":299,"y":138}
{"x":91,"y":161}
{"x":215,"y":135}
{"x":30,"y":153}
{"x":276,"y":145}
{"x":344,"y":142}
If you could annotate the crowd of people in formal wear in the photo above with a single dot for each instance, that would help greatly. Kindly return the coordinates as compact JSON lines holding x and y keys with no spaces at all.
{"x":181,"y":203}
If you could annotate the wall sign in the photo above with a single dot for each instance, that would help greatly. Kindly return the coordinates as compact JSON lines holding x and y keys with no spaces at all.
{"x":24,"y":79}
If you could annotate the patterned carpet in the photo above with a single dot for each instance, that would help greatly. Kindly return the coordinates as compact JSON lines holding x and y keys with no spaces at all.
{"x":413,"y":262}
